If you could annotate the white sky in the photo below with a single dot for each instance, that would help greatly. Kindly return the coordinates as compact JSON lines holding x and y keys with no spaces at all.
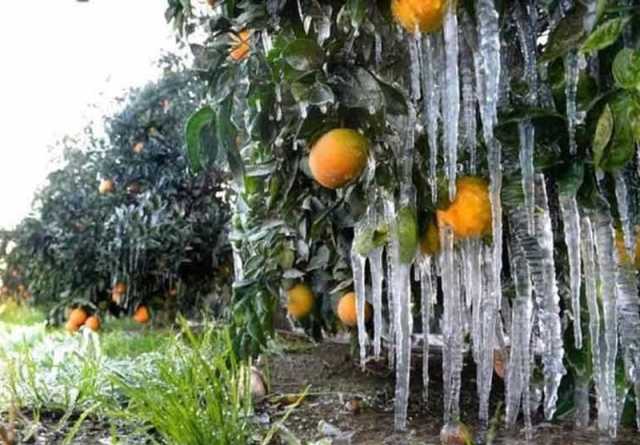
{"x":58,"y":57}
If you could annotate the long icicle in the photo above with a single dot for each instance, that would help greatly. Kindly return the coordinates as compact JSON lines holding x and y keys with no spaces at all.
{"x":604,"y":241}
{"x":571,"y":225}
{"x":426,"y":302}
{"x":451,"y":104}
{"x":358,"y":268}
{"x":431,"y":52}
{"x":519,"y":368}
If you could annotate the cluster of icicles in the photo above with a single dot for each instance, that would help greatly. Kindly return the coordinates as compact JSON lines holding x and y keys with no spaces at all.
{"x":529,"y":327}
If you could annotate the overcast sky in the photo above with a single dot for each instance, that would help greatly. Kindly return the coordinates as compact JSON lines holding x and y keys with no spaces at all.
{"x":58,"y":57}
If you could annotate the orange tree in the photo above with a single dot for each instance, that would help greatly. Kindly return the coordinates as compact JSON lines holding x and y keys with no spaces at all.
{"x":283,"y":73}
{"x":123,"y":211}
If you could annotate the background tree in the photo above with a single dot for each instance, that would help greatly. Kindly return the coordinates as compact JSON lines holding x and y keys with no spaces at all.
{"x":124,"y":208}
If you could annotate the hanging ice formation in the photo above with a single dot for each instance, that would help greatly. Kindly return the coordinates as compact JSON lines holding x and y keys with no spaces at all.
{"x":358,"y":268}
{"x":453,"y":71}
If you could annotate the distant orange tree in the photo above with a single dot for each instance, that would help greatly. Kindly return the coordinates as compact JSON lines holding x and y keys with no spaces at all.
{"x":122,"y":211}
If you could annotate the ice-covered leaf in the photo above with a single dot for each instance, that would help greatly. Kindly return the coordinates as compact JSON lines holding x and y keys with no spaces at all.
{"x":407,"y":234}
{"x":626,"y":69}
{"x":622,"y":146}
{"x":357,"y":88}
{"x":571,"y":178}
{"x":605,"y":34}
{"x":304,"y":55}
{"x":370,"y":238}
{"x":314,"y":94}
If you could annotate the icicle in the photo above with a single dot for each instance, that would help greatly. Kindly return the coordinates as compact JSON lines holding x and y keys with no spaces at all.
{"x":431,"y":47}
{"x":571,"y":223}
{"x":572,"y":71}
{"x":487,"y":333}
{"x":452,"y":330}
{"x":538,"y":249}
{"x":414,"y":67}
{"x":519,"y":368}
{"x":468,"y":105}
{"x":451,"y":104}
{"x":604,"y":236}
{"x":622,"y":198}
{"x":581,"y":400}
{"x":377,"y":276}
{"x":358,"y":268}
{"x":591,"y":292}
{"x":487,"y":84}
{"x":527,"y":145}
{"x":389,"y":209}
{"x":426,"y":301}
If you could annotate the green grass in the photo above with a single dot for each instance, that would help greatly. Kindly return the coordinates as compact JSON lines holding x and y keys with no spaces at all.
{"x":20,"y":314}
{"x":172,"y":387}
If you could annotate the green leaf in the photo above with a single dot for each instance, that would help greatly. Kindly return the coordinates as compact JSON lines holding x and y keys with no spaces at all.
{"x":304,"y":55}
{"x":357,"y":10}
{"x":407,"y":234}
{"x":622,"y":146}
{"x":371,"y":238}
{"x":626,"y":69}
{"x":605,"y":34}
{"x":566,"y":36}
{"x":570,"y":180}
{"x":602,"y":135}
{"x":198,"y":122}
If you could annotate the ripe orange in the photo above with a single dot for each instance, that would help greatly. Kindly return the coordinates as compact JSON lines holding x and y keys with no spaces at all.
{"x":469,"y":215}
{"x":106,"y":186}
{"x":93,"y":323}
{"x":299,"y":301}
{"x":120,"y":288}
{"x":419,"y":15}
{"x":430,"y":244}
{"x":71,"y":327}
{"x":347,"y":312}
{"x":138,"y":147}
{"x":78,"y":316}
{"x":338,"y":157}
{"x":240,"y":48}
{"x":142,"y":314}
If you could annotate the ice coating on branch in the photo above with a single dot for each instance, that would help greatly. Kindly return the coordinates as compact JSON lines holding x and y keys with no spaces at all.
{"x":519,"y":367}
{"x":377,"y":277}
{"x":571,"y":224}
{"x":451,"y":99}
{"x":487,"y":85}
{"x":622,"y":198}
{"x":604,"y":242}
{"x":432,"y":50}
{"x":572,"y":70}
{"x":358,"y":269}
{"x":452,"y":327}
{"x":427,"y":296}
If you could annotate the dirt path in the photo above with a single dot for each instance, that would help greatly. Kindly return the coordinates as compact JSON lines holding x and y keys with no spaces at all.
{"x":335,"y":383}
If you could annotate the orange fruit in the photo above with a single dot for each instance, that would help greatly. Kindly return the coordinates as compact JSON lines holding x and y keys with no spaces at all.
{"x":455,"y":433}
{"x":240,"y":48}
{"x":347,"y":312}
{"x":469,"y":215}
{"x":106,"y":186}
{"x":71,"y":327}
{"x":120,"y":288}
{"x":430,"y":244}
{"x":78,"y":316}
{"x":93,"y":323}
{"x":419,"y":15}
{"x":142,"y":315}
{"x":338,"y":157}
{"x":299,"y":301}
{"x":138,"y":147}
